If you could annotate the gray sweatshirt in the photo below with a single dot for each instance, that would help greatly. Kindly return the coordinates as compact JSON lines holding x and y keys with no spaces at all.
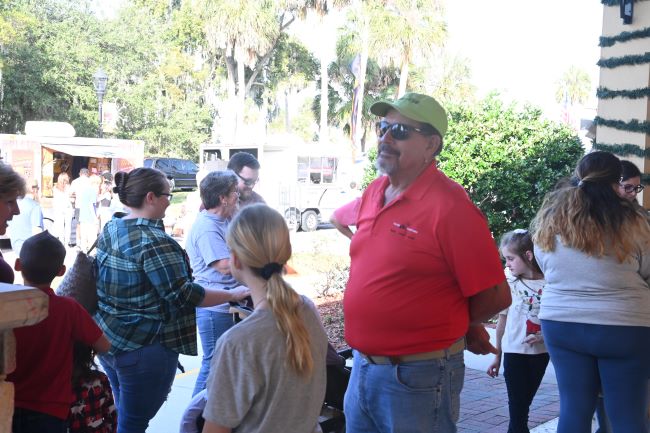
{"x":600,"y":291}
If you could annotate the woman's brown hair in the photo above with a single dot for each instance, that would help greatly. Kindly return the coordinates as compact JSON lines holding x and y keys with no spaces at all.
{"x":590,"y":216}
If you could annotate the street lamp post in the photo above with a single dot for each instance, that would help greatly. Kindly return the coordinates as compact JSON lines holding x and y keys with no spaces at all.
{"x":99,"y":80}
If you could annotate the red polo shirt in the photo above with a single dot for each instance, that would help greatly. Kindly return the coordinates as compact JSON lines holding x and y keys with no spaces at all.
{"x":43,"y":376}
{"x":414,"y":264}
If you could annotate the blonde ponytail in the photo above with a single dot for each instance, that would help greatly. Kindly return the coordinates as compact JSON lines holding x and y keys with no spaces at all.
{"x":259,"y":236}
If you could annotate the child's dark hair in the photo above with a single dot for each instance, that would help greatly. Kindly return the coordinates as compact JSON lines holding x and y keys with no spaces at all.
{"x":41,"y":258}
{"x":83,"y":363}
{"x":518,"y":242}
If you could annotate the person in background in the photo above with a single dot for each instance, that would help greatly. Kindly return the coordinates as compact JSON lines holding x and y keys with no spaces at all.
{"x":43,"y":375}
{"x":518,"y":335}
{"x":268,"y":372}
{"x":146,"y":299}
{"x":630,"y":184}
{"x":93,"y":407}
{"x":594,"y":250}
{"x":425,"y":273}
{"x":28,"y":223}
{"x":210,"y":260}
{"x":85,"y":203}
{"x":247,"y":169}
{"x":12,"y":186}
{"x":105,"y":205}
{"x":62,"y":208}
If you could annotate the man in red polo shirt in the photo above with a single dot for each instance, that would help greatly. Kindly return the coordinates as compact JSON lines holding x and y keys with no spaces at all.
{"x":425,"y":273}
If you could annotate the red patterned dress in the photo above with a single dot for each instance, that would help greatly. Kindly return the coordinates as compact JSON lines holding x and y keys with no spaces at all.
{"x":93,"y":410}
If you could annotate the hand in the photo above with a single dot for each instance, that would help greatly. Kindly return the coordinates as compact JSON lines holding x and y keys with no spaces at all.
{"x":239,"y":293}
{"x":478,"y":341}
{"x":534,"y":338}
{"x":493,"y":369}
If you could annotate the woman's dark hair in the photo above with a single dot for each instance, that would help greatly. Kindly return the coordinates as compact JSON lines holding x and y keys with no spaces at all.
{"x":629,"y":170}
{"x":215,"y":185}
{"x":590,"y":216}
{"x":132,"y":187}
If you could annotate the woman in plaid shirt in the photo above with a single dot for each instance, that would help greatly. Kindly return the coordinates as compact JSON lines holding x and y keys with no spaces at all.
{"x":147,"y":299}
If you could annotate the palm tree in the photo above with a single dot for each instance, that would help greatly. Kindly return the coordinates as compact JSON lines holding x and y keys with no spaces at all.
{"x":574,"y":85}
{"x":406,"y":30}
{"x":243,"y":33}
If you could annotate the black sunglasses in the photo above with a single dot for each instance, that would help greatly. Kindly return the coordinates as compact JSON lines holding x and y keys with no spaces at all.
{"x":629,"y":188}
{"x":400,"y":131}
{"x":248,"y":182}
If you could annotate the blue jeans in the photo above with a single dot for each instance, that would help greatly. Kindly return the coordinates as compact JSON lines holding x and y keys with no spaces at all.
{"x":30,"y":421}
{"x":523,"y":374}
{"x":141,"y":380}
{"x":212,"y":325}
{"x":422,"y":396}
{"x":587,"y":357}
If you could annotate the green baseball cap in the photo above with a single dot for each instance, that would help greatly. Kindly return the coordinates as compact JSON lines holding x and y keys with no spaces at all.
{"x":416,"y":106}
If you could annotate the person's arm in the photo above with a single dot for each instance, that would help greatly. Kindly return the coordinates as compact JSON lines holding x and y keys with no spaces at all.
{"x":102,"y":345}
{"x":493,"y":369}
{"x":343,"y":229}
{"x":222,"y":266}
{"x":485,"y":304}
{"x":218,"y":296}
{"x":210,"y":427}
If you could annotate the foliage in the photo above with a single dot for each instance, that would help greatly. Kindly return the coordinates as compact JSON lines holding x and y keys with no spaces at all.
{"x":574,"y":85}
{"x":506,"y":159}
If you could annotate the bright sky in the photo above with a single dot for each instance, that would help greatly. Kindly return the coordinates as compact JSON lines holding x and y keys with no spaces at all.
{"x":522,"y":47}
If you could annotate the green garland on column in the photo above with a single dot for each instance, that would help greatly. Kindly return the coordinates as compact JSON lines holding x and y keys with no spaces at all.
{"x":632,"y":59}
{"x":623,"y":149}
{"x":608,"y":41}
{"x":632,"y":125}
{"x":605,"y":93}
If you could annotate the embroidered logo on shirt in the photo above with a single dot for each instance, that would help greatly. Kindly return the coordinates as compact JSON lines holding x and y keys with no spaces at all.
{"x":404,"y":230}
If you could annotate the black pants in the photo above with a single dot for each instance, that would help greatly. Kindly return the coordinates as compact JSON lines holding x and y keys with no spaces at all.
{"x":29,"y":421}
{"x":523,"y":374}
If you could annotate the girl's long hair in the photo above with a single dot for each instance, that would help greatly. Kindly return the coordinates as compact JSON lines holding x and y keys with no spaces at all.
{"x":589,"y":216}
{"x":258,"y":236}
{"x":83,"y":363}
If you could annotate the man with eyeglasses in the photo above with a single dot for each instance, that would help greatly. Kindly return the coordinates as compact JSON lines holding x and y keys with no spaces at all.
{"x":425,"y":273}
{"x":247,"y":169}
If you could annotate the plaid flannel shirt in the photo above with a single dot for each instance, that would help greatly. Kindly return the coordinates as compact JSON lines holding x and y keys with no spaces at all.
{"x":145,"y":288}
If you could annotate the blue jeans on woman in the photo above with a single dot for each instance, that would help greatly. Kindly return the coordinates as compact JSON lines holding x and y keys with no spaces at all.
{"x":141,"y":380}
{"x":586,"y":357}
{"x":212,"y":324}
{"x":421,"y":396}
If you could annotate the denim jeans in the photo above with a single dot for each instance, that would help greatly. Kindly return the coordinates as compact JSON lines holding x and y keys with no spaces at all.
{"x":523,"y":374}
{"x":422,"y":396}
{"x":29,"y":421}
{"x":212,"y":325}
{"x":141,"y":380}
{"x":587,"y":357}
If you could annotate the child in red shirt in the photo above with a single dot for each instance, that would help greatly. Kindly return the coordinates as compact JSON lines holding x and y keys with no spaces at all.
{"x":42,"y":380}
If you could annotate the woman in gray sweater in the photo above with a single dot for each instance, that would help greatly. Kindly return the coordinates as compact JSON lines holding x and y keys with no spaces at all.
{"x":594,"y":249}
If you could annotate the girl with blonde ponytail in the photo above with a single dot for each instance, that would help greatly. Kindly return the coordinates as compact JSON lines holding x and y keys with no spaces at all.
{"x":268,"y":372}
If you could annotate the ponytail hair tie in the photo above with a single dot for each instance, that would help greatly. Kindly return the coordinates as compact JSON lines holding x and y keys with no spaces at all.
{"x":269,"y":269}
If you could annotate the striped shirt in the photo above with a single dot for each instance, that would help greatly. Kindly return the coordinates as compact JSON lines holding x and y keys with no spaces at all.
{"x":145,"y":288}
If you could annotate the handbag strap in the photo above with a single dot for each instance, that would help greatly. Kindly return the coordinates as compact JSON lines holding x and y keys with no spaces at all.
{"x":93,"y":245}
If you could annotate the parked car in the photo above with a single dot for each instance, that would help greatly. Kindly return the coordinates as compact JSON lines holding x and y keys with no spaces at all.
{"x":180,"y":172}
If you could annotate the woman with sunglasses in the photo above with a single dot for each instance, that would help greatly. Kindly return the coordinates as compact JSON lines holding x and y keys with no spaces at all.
{"x":630,"y":184}
{"x":147,"y":299}
{"x":210,"y":259}
{"x":594,"y":249}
